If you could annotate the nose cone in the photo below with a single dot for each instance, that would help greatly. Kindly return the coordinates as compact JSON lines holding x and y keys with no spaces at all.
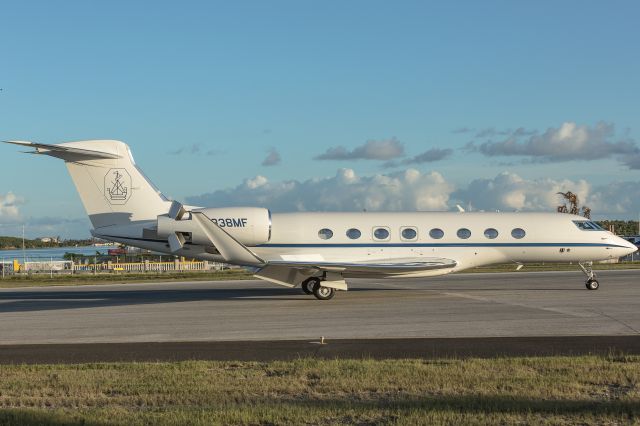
{"x":628,"y":246}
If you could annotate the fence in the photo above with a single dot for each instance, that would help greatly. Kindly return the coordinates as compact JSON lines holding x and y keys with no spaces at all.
{"x":48,"y":266}
{"x":67,"y":266}
{"x":148,"y":266}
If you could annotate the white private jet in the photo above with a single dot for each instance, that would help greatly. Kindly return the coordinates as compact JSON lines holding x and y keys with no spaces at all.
{"x":319,"y":250}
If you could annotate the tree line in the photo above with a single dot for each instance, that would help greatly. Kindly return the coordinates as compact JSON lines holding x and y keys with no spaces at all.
{"x":16,"y":243}
{"x":620,"y":227}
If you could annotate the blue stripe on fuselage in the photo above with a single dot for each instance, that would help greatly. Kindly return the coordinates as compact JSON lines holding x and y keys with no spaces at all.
{"x":382,"y":245}
{"x":379,"y":245}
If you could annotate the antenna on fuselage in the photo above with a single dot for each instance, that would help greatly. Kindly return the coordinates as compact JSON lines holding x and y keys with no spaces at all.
{"x":460,"y":209}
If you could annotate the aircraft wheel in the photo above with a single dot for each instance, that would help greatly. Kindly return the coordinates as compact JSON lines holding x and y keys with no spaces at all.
{"x":308,"y":285}
{"x":592,"y":284}
{"x":323,"y":293}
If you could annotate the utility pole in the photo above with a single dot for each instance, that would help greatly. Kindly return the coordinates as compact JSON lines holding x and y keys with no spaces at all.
{"x":24,"y":255}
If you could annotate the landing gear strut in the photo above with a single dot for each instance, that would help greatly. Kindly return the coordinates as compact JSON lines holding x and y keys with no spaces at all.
{"x":591,"y":283}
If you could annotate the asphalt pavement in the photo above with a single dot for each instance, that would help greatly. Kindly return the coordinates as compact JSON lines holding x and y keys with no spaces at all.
{"x":449,"y":315}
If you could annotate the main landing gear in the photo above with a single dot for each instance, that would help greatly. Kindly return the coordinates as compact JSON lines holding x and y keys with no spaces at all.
{"x":591,"y":283}
{"x":314,"y":286}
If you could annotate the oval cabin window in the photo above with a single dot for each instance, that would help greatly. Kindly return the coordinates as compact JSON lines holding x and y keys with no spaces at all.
{"x":518,"y":233}
{"x":409,"y":233}
{"x":490,"y":233}
{"x":325,"y":234}
{"x":436,"y":233}
{"x":354,"y":233}
{"x":381,"y":233}
{"x":463,"y":233}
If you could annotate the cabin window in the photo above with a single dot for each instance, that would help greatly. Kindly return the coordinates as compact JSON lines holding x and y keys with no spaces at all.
{"x":436,"y":233}
{"x":463,"y":233}
{"x":325,"y":234}
{"x":409,"y":233}
{"x":381,"y":233}
{"x":354,"y":233}
{"x":490,"y":233}
{"x":587,"y":225}
{"x":518,"y":233}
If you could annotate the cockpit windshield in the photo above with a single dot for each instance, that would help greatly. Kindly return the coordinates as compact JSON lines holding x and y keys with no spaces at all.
{"x":587,"y":225}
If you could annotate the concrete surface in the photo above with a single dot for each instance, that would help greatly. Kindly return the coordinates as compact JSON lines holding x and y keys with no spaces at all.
{"x":464,"y":305}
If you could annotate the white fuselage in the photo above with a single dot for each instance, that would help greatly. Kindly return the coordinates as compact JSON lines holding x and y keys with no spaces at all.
{"x":548,"y":237}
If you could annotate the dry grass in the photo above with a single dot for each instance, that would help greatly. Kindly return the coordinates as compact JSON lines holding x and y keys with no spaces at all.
{"x":560,"y":390}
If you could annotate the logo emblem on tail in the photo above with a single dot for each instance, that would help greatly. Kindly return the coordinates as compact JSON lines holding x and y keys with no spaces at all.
{"x":117,"y":186}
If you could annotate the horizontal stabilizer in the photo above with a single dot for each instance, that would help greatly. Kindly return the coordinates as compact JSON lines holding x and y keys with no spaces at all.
{"x":67,"y":153}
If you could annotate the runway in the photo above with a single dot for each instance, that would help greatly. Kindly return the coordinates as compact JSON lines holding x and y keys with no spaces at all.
{"x":501,"y":305}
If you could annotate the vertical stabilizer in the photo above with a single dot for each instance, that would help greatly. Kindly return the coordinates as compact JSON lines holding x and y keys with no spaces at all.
{"x":112,"y":188}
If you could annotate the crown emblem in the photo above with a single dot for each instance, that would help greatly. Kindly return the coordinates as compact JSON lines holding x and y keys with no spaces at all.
{"x":117,"y":186}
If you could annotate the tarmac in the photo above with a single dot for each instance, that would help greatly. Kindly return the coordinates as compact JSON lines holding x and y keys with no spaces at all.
{"x":535,"y":313}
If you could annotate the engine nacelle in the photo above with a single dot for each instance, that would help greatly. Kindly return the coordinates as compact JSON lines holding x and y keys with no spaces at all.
{"x":248,"y":225}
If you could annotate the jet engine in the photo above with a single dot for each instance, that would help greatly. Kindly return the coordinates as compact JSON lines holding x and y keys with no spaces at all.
{"x":250,"y":226}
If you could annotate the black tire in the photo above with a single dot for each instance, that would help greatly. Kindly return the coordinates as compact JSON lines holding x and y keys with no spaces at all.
{"x":323,"y":293}
{"x":308,"y":285}
{"x":592,"y":284}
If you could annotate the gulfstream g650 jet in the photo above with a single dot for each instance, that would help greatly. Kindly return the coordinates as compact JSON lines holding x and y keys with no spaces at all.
{"x":317,"y":251}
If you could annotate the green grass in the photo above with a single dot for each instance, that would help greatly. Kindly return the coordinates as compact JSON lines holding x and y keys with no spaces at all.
{"x":36,"y":280}
{"x":558,"y":390}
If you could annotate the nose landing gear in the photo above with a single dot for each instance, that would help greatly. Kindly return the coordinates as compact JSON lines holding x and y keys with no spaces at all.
{"x":592,"y":283}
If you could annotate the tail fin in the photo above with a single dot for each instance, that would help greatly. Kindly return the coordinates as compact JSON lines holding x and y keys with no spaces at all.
{"x":112,"y":188}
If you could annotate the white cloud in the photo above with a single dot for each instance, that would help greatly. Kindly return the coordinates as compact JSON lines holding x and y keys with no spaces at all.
{"x":412,"y":190}
{"x":568,"y":142}
{"x":618,"y":199}
{"x":386,"y":149}
{"x":407,"y":190}
{"x":9,"y":203}
{"x":508,"y":191}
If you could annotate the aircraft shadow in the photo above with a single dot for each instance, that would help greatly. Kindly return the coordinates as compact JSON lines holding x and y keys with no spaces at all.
{"x":25,"y":301}
{"x":31,"y":301}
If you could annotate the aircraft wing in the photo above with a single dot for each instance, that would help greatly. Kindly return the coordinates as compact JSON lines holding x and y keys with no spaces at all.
{"x":390,"y":266}
{"x":291,"y":273}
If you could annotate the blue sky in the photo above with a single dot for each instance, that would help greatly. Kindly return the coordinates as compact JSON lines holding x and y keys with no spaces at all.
{"x":203,"y":92}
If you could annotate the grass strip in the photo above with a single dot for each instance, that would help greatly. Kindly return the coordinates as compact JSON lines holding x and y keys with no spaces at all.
{"x":550,"y":390}
{"x":38,"y":280}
